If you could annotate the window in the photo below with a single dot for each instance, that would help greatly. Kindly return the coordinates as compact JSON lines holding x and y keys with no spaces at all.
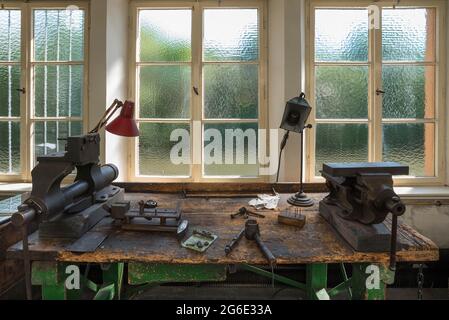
{"x":57,"y":68}
{"x":10,"y":79}
{"x":199,"y":78}
{"x":376,"y":85}
{"x":42,"y":82}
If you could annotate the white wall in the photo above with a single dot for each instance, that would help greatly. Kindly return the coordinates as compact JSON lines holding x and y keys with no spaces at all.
{"x":284,"y":74}
{"x":97,"y":64}
{"x":117,"y":77}
{"x":108,"y":72}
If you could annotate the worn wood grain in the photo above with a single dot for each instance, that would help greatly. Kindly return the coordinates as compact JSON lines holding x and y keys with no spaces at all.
{"x":317,"y":242}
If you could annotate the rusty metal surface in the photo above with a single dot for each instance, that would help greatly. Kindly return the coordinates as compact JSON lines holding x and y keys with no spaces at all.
{"x":89,"y":242}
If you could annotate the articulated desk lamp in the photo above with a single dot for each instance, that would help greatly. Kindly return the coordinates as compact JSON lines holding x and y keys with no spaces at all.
{"x":124,"y":125}
{"x":296,"y":113}
{"x":70,"y":211}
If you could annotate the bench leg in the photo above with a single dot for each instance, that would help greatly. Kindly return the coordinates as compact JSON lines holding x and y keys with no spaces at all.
{"x":316,"y":279}
{"x":47,"y":275}
{"x":114,"y":275}
{"x":50,"y":292}
{"x":52,"y":277}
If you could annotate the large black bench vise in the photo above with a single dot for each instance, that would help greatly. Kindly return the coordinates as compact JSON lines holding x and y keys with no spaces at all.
{"x":361,"y":196}
{"x":70,"y":211}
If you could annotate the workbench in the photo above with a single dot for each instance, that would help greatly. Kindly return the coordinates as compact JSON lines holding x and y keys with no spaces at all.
{"x":154,"y":258}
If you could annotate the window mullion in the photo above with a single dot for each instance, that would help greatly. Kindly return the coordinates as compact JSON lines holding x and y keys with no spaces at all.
{"x":197,"y":99}
{"x":27,"y":142}
{"x":375,"y":130}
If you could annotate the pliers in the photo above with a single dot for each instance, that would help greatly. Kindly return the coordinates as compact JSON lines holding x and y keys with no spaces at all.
{"x":246,"y":213}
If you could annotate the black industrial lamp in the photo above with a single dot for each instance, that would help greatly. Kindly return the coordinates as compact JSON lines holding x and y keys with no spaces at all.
{"x":296,"y":113}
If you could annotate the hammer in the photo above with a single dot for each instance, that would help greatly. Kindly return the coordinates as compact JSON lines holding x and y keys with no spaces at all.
{"x":252,"y":232}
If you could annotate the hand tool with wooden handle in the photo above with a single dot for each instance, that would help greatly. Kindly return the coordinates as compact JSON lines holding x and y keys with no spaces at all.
{"x":229,"y":247}
{"x":252,"y":232}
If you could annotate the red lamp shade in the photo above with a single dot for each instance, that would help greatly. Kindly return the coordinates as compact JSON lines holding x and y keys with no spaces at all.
{"x":124,"y":125}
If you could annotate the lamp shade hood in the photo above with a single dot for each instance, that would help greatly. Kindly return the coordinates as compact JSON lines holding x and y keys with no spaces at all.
{"x":296,"y":114}
{"x":124,"y":125}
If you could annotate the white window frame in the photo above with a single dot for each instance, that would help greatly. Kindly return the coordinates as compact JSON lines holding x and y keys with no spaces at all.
{"x":7,"y":177}
{"x":27,"y":118}
{"x":374,"y":101}
{"x":197,"y":81}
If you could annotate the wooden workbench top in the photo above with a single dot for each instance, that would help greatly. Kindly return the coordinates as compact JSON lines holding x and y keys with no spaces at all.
{"x":317,"y":242}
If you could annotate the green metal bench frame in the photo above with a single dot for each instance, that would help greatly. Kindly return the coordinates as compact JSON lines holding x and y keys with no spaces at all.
{"x":51,"y":277}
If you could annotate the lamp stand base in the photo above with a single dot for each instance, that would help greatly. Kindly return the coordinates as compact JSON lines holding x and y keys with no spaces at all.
{"x":300,"y":200}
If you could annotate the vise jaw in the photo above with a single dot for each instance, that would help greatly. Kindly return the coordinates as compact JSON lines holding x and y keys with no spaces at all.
{"x":363,"y":192}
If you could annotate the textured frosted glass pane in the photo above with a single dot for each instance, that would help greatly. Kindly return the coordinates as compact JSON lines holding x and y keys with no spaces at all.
{"x":231,"y":91}
{"x":165,"y":35}
{"x":340,"y":143}
{"x":165,"y":91}
{"x":410,"y":91}
{"x":341,"y":35}
{"x":408,"y":34}
{"x":155,"y":148}
{"x":412,"y":145}
{"x":231,"y":35}
{"x":341,"y":92}
{"x":9,"y":96}
{"x":47,"y":133}
{"x":10,"y":35}
{"x":9,"y":147}
{"x":59,"y":35}
{"x":9,"y":205}
{"x":58,"y":91}
{"x":231,"y":150}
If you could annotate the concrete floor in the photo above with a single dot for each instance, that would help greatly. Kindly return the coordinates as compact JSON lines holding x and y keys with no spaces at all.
{"x":233,"y":291}
{"x":245,"y":292}
{"x":268,"y":293}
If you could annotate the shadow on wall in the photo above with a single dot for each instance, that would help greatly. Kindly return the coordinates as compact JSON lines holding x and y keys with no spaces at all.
{"x":431,"y":221}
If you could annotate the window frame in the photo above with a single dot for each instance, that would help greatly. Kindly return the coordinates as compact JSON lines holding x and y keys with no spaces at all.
{"x":20,"y":176}
{"x":27,"y":117}
{"x":196,"y":105}
{"x":375,"y":119}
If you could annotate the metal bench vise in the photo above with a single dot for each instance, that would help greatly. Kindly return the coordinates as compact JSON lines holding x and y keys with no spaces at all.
{"x":70,"y":211}
{"x":149,"y":218}
{"x":361,"y":196}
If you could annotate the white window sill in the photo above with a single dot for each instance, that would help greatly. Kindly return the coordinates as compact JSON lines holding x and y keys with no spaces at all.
{"x":14,"y":188}
{"x":433,"y":193}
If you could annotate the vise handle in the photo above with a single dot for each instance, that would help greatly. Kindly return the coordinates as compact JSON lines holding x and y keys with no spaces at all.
{"x":24,"y":216}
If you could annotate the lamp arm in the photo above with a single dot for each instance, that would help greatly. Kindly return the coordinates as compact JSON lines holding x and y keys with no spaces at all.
{"x":283,"y":144}
{"x":117,"y":104}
